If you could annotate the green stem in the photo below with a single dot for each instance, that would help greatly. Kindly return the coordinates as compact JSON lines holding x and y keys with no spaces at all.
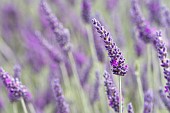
{"x":31,"y":108}
{"x":91,"y":43}
{"x":137,"y":73}
{"x":120,"y":94}
{"x":23,"y":105}
{"x":14,"y":105}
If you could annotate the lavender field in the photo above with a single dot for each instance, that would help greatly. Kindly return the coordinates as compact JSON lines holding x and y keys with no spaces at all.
{"x":84,"y":56}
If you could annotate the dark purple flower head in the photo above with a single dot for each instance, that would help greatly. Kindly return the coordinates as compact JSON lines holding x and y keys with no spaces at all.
{"x":86,"y":10}
{"x":62,"y":106}
{"x":62,"y":34}
{"x":145,"y":32}
{"x":148,"y":102}
{"x":164,"y":99}
{"x":117,"y":60}
{"x":15,"y":88}
{"x":112,"y":93}
{"x":17,"y":71}
{"x":130,"y":108}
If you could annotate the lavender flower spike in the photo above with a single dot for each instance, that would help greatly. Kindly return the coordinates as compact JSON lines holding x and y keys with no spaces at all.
{"x":117,"y":60}
{"x":15,"y":88}
{"x":165,"y":62}
{"x":164,"y":99}
{"x":112,"y":93}
{"x":17,"y":71}
{"x":130,"y":108}
{"x":148,"y":102}
{"x":62,"y":106}
{"x":86,"y":10}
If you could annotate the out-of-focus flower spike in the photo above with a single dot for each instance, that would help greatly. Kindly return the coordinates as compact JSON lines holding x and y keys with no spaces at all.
{"x":112,"y":93}
{"x":86,"y":11}
{"x":117,"y":60}
{"x":164,"y":99}
{"x":62,"y":106}
{"x":148,"y":102}
{"x":130,"y":108}
{"x":17,"y":71}
{"x":111,"y":4}
{"x":145,"y":32}
{"x":15,"y":88}
{"x":95,"y":95}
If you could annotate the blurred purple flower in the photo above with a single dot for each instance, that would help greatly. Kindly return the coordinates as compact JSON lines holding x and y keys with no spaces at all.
{"x":161,"y":49}
{"x":86,"y":10}
{"x":62,"y":106}
{"x":17,"y":71}
{"x":95,"y":94}
{"x":130,"y":108}
{"x":148,"y":102}
{"x":145,"y":32}
{"x":112,"y":93}
{"x":62,"y":35}
{"x":164,"y":99}
{"x":154,"y":7}
{"x":116,"y":58}
{"x":15,"y":88}
{"x":111,"y":4}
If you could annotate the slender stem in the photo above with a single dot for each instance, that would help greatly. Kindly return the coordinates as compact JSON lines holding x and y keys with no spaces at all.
{"x":137,"y":73}
{"x":31,"y":108}
{"x":91,"y":42}
{"x":14,"y":105}
{"x":65,"y":75}
{"x":120,"y":95}
{"x":149,"y":64}
{"x":23,"y":105}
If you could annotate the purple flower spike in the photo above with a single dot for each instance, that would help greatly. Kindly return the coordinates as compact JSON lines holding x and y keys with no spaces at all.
{"x":117,"y":60}
{"x":62,"y":34}
{"x":130,"y":108}
{"x":15,"y":88}
{"x":148,"y":102}
{"x":112,"y":93}
{"x":164,"y":99}
{"x":62,"y":106}
{"x":86,"y":10}
{"x":17,"y":71}
{"x":165,"y":62}
{"x":145,"y":32}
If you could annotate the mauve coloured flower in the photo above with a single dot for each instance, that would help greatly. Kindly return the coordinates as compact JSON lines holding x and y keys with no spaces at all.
{"x":139,"y":47}
{"x":165,"y":17}
{"x":62,"y":35}
{"x":144,"y":79}
{"x":112,"y":92}
{"x":148,"y":102}
{"x":161,"y":49}
{"x":130,"y":108}
{"x":17,"y":71}
{"x":54,"y":53}
{"x":15,"y":88}
{"x":117,"y":60}
{"x":111,"y":4}
{"x":86,"y":11}
{"x":154,"y":7}
{"x":95,"y":94}
{"x":145,"y":32}
{"x":85,"y":72}
{"x":62,"y":106}
{"x":164,"y":99}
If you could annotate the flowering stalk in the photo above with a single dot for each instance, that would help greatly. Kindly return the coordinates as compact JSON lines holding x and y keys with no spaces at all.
{"x":130,"y":108}
{"x":112,"y":93}
{"x":148,"y":102}
{"x":165,"y":62}
{"x":117,"y":60}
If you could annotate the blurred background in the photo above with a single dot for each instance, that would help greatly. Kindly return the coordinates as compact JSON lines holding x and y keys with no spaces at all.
{"x":31,"y":48}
